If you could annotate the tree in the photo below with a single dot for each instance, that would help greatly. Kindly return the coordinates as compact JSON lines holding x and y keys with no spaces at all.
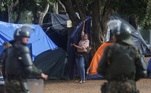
{"x":146,"y":23}
{"x":135,"y":11}
{"x":85,"y":8}
{"x":15,"y":8}
{"x":8,"y":6}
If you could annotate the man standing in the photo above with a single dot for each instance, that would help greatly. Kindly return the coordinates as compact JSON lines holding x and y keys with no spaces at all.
{"x":121,"y":64}
{"x":18,"y":63}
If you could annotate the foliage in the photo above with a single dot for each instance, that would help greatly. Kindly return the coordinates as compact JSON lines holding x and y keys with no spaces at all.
{"x":129,"y":7}
{"x":141,"y":9}
{"x":146,"y":23}
{"x":4,"y":4}
{"x":124,"y":7}
{"x":25,"y":4}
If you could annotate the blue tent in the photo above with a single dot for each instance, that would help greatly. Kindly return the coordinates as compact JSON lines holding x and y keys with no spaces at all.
{"x":38,"y":43}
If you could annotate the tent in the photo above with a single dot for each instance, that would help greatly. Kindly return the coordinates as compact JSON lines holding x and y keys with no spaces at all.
{"x":55,"y":26}
{"x":53,"y":63}
{"x":39,"y":41}
{"x":41,"y":46}
{"x":94,"y":64}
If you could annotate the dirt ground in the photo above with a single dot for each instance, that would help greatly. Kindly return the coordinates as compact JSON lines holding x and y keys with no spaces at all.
{"x":91,"y":86}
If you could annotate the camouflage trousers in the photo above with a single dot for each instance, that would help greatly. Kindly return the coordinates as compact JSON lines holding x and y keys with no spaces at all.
{"x":128,"y":86}
{"x":16,"y":86}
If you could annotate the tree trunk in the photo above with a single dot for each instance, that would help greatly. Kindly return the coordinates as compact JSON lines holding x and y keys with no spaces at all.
{"x":10,"y":9}
{"x":55,"y":8}
{"x":18,"y":16}
{"x":96,"y":30}
{"x":106,"y":13}
{"x":42,"y":14}
{"x":81,"y":9}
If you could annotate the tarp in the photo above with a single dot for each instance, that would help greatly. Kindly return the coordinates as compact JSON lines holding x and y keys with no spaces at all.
{"x":93,"y":68}
{"x":55,"y":27}
{"x":38,"y":42}
{"x":59,"y":21}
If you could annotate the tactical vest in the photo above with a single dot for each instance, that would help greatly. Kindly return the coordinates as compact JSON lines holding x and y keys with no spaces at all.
{"x":14,"y":68}
{"x":121,"y":62}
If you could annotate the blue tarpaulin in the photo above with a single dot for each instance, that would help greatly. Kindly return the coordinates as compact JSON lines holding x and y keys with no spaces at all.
{"x":39,"y":41}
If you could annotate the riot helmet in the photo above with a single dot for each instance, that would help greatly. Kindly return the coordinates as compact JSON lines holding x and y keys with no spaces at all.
{"x":21,"y":32}
{"x":121,"y":30}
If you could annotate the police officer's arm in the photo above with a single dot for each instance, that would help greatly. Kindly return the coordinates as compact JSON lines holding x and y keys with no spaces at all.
{"x":27,"y":61}
{"x":140,"y":70}
{"x":104,"y":61}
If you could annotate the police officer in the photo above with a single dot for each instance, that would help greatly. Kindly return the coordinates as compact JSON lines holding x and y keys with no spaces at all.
{"x":18,"y":63}
{"x":121,"y":64}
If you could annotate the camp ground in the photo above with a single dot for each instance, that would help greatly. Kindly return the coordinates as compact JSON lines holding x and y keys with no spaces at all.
{"x":57,"y":61}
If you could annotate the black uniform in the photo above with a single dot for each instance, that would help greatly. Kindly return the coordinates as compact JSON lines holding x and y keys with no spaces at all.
{"x":18,"y":65}
{"x":19,"y":62}
{"x":121,"y":66}
{"x":121,"y":63}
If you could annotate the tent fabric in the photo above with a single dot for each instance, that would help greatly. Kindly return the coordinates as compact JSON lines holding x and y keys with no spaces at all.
{"x":56,"y":28}
{"x":136,"y":36}
{"x":59,"y":39}
{"x":59,"y":21}
{"x":39,"y":41}
{"x":54,"y":64}
{"x":56,"y":22}
{"x":149,"y":66}
{"x":93,"y":68}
